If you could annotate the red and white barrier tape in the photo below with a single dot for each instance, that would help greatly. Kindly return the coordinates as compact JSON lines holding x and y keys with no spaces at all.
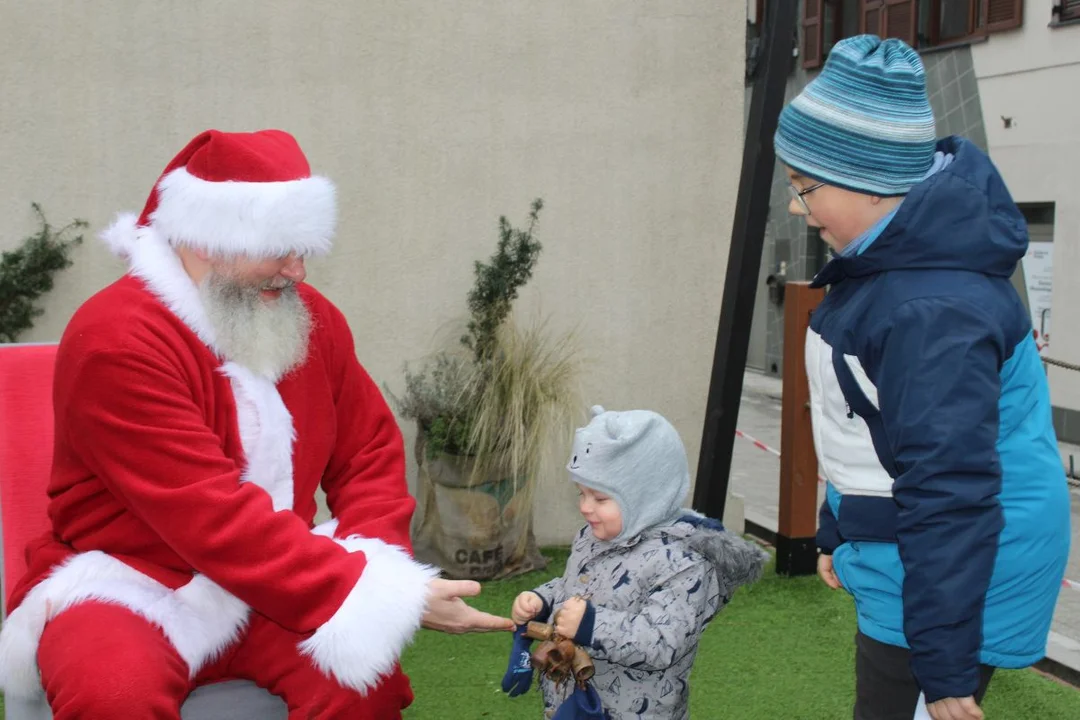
{"x":757,"y":443}
{"x":1071,"y":584}
{"x":762,"y":446}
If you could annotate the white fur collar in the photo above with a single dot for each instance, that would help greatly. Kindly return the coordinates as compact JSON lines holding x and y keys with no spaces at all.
{"x":154,"y":261}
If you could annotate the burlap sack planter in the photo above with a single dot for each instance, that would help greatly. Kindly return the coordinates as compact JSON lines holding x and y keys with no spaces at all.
{"x":473,"y":528}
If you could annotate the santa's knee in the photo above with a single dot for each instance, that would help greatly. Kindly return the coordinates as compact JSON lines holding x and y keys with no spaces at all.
{"x":330,"y":701}
{"x":104,"y":694}
{"x":100,"y":661}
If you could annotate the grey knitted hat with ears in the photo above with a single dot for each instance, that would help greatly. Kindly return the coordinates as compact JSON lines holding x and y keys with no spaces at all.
{"x":638,"y":459}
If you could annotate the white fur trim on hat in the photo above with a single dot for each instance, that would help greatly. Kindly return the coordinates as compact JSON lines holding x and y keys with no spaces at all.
{"x":260,"y":219}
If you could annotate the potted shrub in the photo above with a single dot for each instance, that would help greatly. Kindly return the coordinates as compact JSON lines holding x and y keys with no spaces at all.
{"x":26,"y":273}
{"x":488,"y":412}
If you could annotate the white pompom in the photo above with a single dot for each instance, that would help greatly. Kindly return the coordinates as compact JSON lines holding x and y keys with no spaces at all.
{"x":121,"y":236}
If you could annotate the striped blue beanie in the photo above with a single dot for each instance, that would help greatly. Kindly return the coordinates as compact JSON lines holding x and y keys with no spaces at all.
{"x":865,"y":122}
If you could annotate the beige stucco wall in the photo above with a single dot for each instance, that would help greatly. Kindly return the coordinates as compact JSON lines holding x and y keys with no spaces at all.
{"x":1030,"y":75}
{"x":434,"y":119}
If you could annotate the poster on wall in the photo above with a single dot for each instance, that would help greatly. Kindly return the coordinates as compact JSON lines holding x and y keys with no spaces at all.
{"x":1038,"y":268}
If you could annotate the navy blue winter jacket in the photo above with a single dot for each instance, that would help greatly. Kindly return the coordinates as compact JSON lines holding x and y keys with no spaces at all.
{"x":947,"y":509}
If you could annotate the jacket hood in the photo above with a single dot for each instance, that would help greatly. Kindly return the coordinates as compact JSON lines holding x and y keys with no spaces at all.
{"x":960,"y":218}
{"x":737,"y":561}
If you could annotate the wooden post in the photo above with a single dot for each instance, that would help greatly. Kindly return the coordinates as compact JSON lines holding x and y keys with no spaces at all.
{"x":743,"y":261}
{"x":796,"y":551}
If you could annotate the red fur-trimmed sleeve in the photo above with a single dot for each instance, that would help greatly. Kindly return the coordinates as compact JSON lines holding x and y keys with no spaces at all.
{"x":365,"y":484}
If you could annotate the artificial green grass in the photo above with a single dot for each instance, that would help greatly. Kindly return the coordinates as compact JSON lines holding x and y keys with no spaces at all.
{"x":783,"y":648}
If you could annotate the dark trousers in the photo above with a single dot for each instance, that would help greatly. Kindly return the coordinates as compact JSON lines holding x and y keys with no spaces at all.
{"x":885,"y":689}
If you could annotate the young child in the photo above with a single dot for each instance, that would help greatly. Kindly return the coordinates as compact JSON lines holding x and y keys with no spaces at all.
{"x":644,"y":577}
{"x":947,"y":511}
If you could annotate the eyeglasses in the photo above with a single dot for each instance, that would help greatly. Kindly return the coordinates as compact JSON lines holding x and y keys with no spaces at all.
{"x":798,"y":195}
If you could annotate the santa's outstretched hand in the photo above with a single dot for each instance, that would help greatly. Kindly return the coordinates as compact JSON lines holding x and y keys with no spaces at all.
{"x":448,"y":613}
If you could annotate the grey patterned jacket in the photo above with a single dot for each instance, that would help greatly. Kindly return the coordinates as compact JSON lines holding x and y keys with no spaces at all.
{"x":651,"y":597}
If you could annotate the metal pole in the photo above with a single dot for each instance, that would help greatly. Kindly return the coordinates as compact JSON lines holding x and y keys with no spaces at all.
{"x":744,"y":260}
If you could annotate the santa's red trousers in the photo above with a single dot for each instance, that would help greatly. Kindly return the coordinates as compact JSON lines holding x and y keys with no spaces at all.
{"x":99,"y":660}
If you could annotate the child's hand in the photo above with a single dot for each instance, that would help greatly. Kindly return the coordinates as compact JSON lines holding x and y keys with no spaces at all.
{"x":568,"y":619}
{"x":955,"y":709}
{"x":527,"y":605}
{"x":826,"y":573}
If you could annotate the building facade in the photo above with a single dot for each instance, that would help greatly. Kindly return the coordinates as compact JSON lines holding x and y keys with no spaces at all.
{"x":1000,"y":72}
{"x":433,"y":119}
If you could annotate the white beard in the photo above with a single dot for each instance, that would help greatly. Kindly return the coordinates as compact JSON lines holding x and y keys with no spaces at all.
{"x":268,"y":338}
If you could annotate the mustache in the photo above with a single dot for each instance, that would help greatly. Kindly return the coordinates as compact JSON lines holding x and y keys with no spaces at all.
{"x":282,"y":284}
{"x":231,"y":290}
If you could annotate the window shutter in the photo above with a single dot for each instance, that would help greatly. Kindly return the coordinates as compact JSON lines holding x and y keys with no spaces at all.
{"x":871,"y":16}
{"x":755,"y":13}
{"x":899,"y":17}
{"x":1004,"y":15}
{"x":813,"y":33}
{"x":1070,"y":10}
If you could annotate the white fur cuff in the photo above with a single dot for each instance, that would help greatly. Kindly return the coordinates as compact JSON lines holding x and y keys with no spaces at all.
{"x":364,"y":639}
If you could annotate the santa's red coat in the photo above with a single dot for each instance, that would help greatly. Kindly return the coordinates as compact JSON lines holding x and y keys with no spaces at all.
{"x":183,"y":488}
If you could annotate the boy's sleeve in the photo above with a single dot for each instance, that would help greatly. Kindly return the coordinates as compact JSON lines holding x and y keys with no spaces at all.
{"x":660,"y":633}
{"x":552,"y":593}
{"x":939,"y":386}
{"x":828,"y":534}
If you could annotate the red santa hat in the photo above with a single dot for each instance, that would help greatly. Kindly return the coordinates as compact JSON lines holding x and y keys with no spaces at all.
{"x":249,"y":194}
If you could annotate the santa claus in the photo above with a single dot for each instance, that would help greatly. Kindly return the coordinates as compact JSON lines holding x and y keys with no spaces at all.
{"x":200,"y":401}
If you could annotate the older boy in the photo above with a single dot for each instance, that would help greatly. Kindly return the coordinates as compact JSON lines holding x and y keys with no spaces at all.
{"x":947,"y":512}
